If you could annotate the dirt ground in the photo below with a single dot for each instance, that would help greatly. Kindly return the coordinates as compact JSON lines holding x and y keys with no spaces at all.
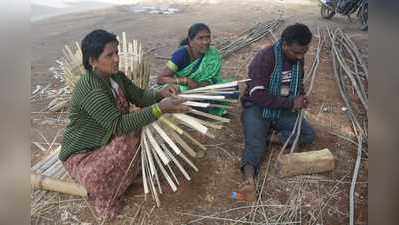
{"x":219,"y":175}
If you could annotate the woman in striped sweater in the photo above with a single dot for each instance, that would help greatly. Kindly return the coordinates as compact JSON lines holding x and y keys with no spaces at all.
{"x":102,"y":138}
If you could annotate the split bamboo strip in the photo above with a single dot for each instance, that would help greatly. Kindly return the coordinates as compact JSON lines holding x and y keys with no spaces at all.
{"x":205,"y":105}
{"x":176,"y":162}
{"x":158,"y":183}
{"x":182,"y":143}
{"x":173,"y":174}
{"x":210,"y":116}
{"x":148,"y":153}
{"x":165,"y":174}
{"x":46,"y":164}
{"x":166,"y":138}
{"x":155,"y":145}
{"x":197,"y":104}
{"x":188,"y":161}
{"x":37,"y":144}
{"x":193,"y":140}
{"x":217,"y":86}
{"x":177,"y":129}
{"x":154,"y":190}
{"x":191,"y":122}
{"x":150,"y":177}
{"x":144,"y":175}
{"x":198,"y":96}
{"x":171,"y":125}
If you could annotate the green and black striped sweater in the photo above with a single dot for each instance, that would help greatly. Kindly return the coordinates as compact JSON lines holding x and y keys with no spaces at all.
{"x":95,"y":118}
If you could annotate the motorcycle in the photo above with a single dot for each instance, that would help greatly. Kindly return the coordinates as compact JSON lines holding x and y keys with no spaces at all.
{"x":328,"y":8}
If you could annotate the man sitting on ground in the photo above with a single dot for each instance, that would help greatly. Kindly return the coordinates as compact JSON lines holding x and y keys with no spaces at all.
{"x":273,"y":97}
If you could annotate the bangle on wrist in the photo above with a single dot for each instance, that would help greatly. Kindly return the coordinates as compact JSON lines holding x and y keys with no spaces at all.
{"x":156,"y":111}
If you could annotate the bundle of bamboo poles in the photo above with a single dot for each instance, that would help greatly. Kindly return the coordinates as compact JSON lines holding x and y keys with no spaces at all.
{"x":132,"y":62}
{"x":348,"y":65}
{"x":248,"y":37}
{"x":165,"y":142}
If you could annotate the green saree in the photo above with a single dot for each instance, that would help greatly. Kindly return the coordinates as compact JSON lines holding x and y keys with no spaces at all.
{"x":208,"y":71}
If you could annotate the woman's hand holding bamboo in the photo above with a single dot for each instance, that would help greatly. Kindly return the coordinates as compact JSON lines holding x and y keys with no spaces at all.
{"x":173,"y":105}
{"x":169,"y":90}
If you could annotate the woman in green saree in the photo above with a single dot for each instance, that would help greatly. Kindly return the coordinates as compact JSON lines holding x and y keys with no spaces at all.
{"x":195,"y":63}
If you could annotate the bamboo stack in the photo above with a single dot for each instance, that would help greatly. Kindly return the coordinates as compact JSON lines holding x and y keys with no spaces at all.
{"x":165,"y":143}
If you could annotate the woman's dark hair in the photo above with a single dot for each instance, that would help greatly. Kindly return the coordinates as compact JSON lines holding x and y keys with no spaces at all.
{"x":93,"y":45}
{"x":297,"y":33}
{"x":193,"y":31}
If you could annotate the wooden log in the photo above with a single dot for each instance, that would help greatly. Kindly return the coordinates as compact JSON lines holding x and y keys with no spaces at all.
{"x":294,"y":164}
{"x":50,"y":184}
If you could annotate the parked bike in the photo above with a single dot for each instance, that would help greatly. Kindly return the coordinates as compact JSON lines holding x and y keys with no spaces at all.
{"x":328,"y":8}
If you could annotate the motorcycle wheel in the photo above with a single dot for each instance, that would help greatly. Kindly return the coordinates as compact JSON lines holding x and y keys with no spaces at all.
{"x":326,"y":12}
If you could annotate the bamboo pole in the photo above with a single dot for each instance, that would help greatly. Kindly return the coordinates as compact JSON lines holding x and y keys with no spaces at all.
{"x":51,"y":184}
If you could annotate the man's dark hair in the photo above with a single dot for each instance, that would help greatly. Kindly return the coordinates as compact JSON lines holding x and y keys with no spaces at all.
{"x":297,"y":33}
{"x":193,"y":31}
{"x":93,"y":45}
